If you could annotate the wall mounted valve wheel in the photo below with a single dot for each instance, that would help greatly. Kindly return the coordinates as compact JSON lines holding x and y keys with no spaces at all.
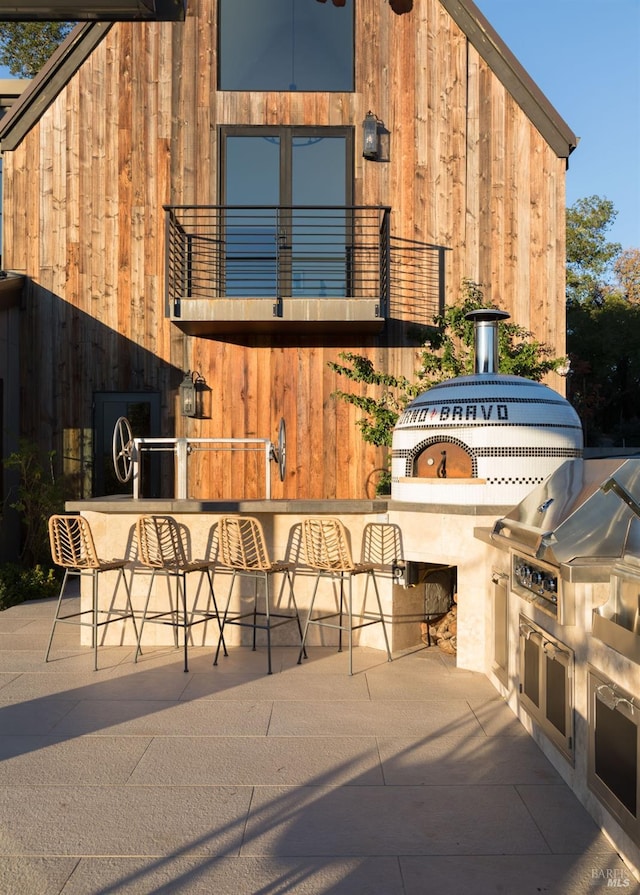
{"x":123,"y":449}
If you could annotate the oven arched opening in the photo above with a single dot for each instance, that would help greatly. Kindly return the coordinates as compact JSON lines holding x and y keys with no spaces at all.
{"x":442,"y":458}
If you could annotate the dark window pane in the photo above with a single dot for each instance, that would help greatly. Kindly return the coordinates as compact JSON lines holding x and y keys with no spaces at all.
{"x":532,"y":671}
{"x":253,"y":170}
{"x":556,"y":694}
{"x":319,"y":170}
{"x":285,"y":45}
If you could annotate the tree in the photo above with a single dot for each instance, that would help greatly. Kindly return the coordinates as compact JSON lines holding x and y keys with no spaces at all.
{"x":589,"y":254}
{"x":604,"y":347}
{"x":38,"y":494}
{"x":449,"y":350}
{"x":603,"y":325}
{"x":627,"y":270}
{"x":26,"y":46}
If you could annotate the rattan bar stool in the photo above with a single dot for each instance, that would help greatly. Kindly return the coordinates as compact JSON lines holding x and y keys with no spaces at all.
{"x":326,"y":549}
{"x":73,"y":548}
{"x":242,"y":548}
{"x":161,"y":549}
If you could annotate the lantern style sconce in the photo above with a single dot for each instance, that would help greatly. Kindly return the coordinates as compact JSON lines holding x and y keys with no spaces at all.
{"x":190,"y":386}
{"x":370,"y":147}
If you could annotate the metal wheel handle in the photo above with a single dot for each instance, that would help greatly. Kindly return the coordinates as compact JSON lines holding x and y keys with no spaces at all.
{"x":279,"y":453}
{"x":123,"y":449}
{"x":282,"y":449}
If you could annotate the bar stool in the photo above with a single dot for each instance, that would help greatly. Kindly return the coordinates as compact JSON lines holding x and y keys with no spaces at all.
{"x":73,"y":548}
{"x":161,"y":548}
{"x":327,"y":551}
{"x":382,"y":546}
{"x":242,"y":548}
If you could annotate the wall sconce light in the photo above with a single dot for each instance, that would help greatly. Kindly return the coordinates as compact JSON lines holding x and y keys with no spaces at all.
{"x":189,"y":388}
{"x":370,"y":148}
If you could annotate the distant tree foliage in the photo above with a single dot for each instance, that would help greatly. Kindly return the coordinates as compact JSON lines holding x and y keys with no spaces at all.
{"x":26,"y":46}
{"x":603,"y":327}
{"x":627,"y":270}
{"x":603,"y":385}
{"x":589,"y":254}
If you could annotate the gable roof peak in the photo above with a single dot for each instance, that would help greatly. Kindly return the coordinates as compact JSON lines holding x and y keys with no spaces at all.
{"x":510,"y":72}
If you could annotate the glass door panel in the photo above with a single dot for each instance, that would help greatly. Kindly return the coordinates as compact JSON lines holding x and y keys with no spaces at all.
{"x":319,"y":238}
{"x":251,"y":235}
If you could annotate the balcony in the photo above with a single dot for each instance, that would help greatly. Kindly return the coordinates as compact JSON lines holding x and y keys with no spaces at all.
{"x":240,"y":270}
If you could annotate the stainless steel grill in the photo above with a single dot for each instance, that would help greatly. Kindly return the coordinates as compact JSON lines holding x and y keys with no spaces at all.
{"x":574,"y":519}
{"x":570,"y":529}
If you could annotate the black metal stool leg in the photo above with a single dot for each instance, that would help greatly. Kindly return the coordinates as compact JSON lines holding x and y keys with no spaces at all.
{"x":308,"y":621}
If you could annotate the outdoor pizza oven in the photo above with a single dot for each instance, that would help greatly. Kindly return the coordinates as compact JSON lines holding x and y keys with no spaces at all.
{"x":486,"y":439}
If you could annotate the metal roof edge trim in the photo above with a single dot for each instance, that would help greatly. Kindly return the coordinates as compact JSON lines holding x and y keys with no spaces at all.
{"x":50,"y":80}
{"x":70,"y":55}
{"x":512,"y":75}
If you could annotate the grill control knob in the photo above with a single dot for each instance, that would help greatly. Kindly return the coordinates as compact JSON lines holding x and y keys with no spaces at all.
{"x":525,"y":576}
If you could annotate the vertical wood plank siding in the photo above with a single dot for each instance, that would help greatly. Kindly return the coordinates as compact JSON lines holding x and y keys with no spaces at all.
{"x":137,"y":128}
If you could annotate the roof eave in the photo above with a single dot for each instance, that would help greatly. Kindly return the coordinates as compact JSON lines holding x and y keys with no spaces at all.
{"x":53,"y":77}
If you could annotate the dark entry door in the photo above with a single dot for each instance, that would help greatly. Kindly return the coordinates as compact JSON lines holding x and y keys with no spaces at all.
{"x":142,"y":409}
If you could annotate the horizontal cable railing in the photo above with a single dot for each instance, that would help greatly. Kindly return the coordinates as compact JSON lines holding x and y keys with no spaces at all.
{"x":417,"y":280}
{"x":280,"y":252}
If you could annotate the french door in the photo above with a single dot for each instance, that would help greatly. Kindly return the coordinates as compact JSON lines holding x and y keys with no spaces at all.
{"x":287,"y":194}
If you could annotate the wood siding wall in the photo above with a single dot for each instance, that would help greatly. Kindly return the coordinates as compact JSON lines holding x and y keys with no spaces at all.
{"x":136,"y":128}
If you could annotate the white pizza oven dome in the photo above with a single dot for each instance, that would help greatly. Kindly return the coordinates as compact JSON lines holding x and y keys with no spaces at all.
{"x":485,"y":439}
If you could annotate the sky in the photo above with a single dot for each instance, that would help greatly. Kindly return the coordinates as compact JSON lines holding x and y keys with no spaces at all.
{"x":585,"y":57}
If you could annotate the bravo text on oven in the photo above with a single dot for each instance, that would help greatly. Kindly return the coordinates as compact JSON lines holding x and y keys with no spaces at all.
{"x":457,"y":412}
{"x":485,"y":412}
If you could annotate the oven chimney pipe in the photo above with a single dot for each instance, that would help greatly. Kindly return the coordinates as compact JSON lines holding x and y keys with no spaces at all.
{"x":485,"y":321}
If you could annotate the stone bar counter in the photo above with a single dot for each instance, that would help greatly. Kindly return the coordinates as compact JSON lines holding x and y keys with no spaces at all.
{"x":432,"y":535}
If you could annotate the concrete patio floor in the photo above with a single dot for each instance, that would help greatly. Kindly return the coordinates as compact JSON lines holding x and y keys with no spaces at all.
{"x":408,"y":778}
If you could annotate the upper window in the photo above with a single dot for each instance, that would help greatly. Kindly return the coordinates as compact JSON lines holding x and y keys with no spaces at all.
{"x":285,"y":45}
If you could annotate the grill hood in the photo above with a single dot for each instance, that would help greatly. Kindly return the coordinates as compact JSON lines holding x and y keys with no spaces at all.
{"x":581,"y":513}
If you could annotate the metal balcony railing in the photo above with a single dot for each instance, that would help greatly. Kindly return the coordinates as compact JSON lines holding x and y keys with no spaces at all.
{"x":277,"y":253}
